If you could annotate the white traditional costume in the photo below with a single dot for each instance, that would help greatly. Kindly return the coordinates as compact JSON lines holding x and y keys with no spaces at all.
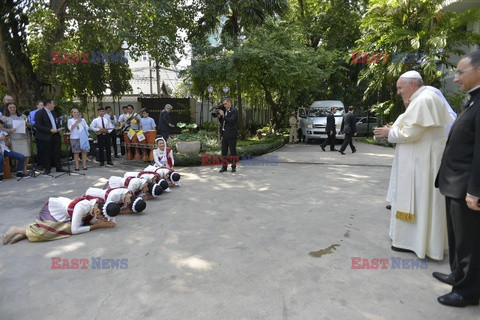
{"x":116,"y":195}
{"x":61,"y":217}
{"x":418,"y":221}
{"x":131,"y":183}
{"x":163,"y":158}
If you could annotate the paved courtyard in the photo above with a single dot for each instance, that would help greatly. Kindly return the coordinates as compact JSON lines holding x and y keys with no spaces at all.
{"x":268,"y":242}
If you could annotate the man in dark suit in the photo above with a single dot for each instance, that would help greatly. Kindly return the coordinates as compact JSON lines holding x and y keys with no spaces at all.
{"x":350,"y":129}
{"x":164,"y":122}
{"x":48,"y":131}
{"x":331,"y":130}
{"x":459,"y":181}
{"x":229,"y":122}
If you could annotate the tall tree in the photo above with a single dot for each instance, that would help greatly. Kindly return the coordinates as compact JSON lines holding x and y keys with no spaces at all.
{"x":333,"y":26}
{"x":233,"y":18}
{"x":272,"y":60}
{"x":30,"y":30}
{"x":415,"y":34}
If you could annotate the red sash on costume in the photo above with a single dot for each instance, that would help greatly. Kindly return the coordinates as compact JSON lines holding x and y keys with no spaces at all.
{"x":127,"y":181}
{"x":109,"y":190}
{"x":169,"y":160}
{"x":72,"y":204}
{"x":149,"y":172}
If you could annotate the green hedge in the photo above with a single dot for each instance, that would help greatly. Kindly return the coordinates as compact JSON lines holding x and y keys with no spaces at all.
{"x":254,"y":148}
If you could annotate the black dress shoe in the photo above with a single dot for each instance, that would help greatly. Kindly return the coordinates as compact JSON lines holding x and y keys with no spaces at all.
{"x":323,"y":148}
{"x":223,"y":169}
{"x":455,"y":299}
{"x":102,"y":164}
{"x":333,"y":149}
{"x":110,"y":163}
{"x":61,"y":170}
{"x":46,"y":172}
{"x":400,"y":249}
{"x":445,"y":278}
{"x":341,"y":152}
{"x":354,"y":150}
{"x":234,"y":169}
{"x":85,"y":168}
{"x":77,"y":169}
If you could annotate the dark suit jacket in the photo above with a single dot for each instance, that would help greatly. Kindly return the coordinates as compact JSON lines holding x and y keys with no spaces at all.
{"x":348,"y":124}
{"x":460,"y":168}
{"x":43,"y":125}
{"x":330,"y":123}
{"x":163,"y":121}
{"x":230,"y":126}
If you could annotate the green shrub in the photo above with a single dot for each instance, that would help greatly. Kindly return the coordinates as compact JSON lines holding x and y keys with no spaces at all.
{"x":253,"y":147}
{"x":210,"y":126}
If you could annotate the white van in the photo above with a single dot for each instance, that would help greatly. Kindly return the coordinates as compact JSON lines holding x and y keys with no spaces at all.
{"x":312,"y":123}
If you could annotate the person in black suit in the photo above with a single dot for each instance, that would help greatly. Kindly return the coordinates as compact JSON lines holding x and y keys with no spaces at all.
{"x":49,"y":132}
{"x":229,"y":122}
{"x":350,"y":129}
{"x":459,"y":181}
{"x":164,"y":122}
{"x":331,"y":130}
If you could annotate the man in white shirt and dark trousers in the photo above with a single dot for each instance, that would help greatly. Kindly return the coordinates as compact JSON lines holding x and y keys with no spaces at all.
{"x":113,"y":134}
{"x":102,"y":127}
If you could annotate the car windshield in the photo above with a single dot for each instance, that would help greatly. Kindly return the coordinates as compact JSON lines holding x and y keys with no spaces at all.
{"x":323,"y":112}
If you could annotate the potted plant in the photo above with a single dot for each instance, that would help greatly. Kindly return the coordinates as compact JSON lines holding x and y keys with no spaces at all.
{"x":188,"y":141}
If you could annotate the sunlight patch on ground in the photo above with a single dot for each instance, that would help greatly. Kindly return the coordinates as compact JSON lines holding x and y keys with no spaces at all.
{"x":191,"y":176}
{"x":382,"y":155}
{"x":64,"y":249}
{"x":101,"y":182}
{"x":358,"y":176}
{"x":192,"y":262}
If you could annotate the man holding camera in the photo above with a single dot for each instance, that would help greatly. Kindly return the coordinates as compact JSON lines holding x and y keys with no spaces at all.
{"x":229,"y":122}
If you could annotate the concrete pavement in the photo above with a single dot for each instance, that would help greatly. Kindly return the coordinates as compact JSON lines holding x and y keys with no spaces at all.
{"x":268,"y":242}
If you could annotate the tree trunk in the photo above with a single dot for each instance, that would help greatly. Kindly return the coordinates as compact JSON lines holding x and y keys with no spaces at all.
{"x":274,"y":107}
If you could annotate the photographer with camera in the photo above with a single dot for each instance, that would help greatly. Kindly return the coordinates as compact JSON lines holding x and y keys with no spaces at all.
{"x":229,"y":121}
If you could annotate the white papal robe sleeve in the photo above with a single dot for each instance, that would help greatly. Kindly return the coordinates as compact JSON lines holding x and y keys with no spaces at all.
{"x":405,"y":134}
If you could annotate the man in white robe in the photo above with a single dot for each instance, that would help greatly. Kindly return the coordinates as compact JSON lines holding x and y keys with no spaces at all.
{"x":418,"y":221}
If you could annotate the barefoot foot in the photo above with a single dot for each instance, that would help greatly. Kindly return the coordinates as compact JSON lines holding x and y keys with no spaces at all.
{"x":17,"y":238}
{"x":9,"y":235}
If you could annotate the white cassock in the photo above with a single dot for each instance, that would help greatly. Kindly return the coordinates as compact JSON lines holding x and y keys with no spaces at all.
{"x":418,"y":221}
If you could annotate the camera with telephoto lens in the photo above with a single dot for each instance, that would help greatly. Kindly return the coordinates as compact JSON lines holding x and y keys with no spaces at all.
{"x":215,"y":109}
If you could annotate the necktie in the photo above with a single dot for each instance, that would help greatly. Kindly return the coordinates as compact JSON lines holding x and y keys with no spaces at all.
{"x":223,"y":124}
{"x":103,"y":124}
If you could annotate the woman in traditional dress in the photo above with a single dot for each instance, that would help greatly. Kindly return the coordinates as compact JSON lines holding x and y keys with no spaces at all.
{"x":124,"y":197}
{"x":61,"y":217}
{"x":20,"y":140}
{"x":172,"y":177}
{"x":139,"y":186}
{"x":163,"y":155}
{"x":77,"y":126}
